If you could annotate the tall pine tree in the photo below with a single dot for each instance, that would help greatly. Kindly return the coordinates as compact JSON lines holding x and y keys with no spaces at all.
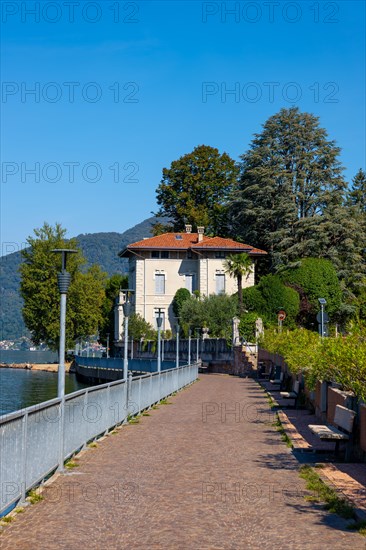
{"x":289,"y":176}
{"x":357,"y":194}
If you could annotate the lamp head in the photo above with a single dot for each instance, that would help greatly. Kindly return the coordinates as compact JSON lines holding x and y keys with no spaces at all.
{"x":64,"y":252}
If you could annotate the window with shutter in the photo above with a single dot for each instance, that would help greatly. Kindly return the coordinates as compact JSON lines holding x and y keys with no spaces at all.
{"x":159,"y":283}
{"x":220,"y":283}
{"x":190,"y":282}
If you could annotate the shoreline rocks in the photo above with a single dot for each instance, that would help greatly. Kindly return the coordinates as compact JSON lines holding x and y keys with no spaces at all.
{"x":50,"y":367}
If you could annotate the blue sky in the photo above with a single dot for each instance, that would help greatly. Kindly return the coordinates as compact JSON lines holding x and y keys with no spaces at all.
{"x":124,"y":88}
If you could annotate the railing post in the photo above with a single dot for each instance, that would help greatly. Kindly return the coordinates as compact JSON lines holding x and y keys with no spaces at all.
{"x":62,"y":436}
{"x":128,"y":392}
{"x":84,"y":412}
{"x":140,"y":394}
{"x":24,"y":456}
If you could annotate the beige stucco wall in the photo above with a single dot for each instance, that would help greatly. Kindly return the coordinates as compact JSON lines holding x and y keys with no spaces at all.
{"x":142,"y":280}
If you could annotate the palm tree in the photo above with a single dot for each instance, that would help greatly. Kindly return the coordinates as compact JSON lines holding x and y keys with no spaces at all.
{"x":239,"y":266}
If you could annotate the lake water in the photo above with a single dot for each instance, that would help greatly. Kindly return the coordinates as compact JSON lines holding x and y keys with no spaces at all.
{"x":20,"y":388}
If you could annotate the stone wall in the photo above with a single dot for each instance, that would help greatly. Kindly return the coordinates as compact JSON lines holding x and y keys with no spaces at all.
{"x":337,"y":397}
{"x":363,"y":427}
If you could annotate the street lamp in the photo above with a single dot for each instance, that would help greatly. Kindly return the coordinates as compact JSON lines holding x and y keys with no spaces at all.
{"x":127,"y":309}
{"x":63,"y":281}
{"x":107,"y":345}
{"x":159,"y":321}
{"x":177,"y":346}
{"x":322,"y":302}
{"x":197,"y":344}
{"x":189,"y":346}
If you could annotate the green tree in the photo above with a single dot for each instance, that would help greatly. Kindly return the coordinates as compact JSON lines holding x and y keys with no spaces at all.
{"x":192,"y":313}
{"x":40,"y":293}
{"x":357,"y":194}
{"x":253,"y":299}
{"x":85,"y":301}
{"x":277,"y":296}
{"x":113,"y":286}
{"x":139,"y":328}
{"x":239,"y":266}
{"x":180,"y":297}
{"x":340,"y":234}
{"x":315,"y":278}
{"x":195,"y":189}
{"x":288,"y":177}
{"x":215,"y":312}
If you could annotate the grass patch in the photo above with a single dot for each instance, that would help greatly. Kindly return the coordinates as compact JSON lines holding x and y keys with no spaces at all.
{"x":271,"y":402}
{"x":284,"y":437}
{"x":34,"y":496}
{"x":132,"y":419}
{"x":146,"y":414}
{"x":333,"y":502}
{"x":92,"y":445}
{"x":113,"y":432}
{"x":359,"y":526}
{"x":7,"y":519}
{"x":155,"y":407}
{"x":165,"y":402}
{"x":19,"y":510}
{"x":70,"y":464}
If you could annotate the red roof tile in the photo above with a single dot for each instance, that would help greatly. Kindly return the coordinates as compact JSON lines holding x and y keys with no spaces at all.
{"x":185,"y":241}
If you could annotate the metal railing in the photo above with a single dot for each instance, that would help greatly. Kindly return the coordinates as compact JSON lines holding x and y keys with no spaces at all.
{"x":36,"y":441}
{"x":145,"y":365}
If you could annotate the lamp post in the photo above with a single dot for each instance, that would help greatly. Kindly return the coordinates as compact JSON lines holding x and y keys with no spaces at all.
{"x":322,"y":302}
{"x":197,"y":344}
{"x":177,"y":346}
{"x":107,"y":345}
{"x":127,"y":308}
{"x":159,"y":321}
{"x":63,"y":281}
{"x":189,"y":346}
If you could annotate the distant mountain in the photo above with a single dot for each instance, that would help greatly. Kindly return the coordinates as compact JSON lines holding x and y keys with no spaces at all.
{"x":98,"y":248}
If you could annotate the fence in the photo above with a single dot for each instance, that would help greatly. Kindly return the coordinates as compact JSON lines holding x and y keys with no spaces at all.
{"x":35,"y":441}
{"x":142,"y":365}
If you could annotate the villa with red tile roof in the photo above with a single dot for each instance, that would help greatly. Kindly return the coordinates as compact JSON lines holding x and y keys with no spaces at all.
{"x":159,"y":266}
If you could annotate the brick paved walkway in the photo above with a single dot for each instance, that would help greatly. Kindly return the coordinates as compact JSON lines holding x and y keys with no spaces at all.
{"x":192,"y":476}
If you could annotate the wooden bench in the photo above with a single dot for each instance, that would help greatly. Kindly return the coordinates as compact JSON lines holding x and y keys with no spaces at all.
{"x":341,"y":428}
{"x":294,"y":394}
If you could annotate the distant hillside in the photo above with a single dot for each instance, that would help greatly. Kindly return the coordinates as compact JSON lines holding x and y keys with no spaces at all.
{"x":98,"y":248}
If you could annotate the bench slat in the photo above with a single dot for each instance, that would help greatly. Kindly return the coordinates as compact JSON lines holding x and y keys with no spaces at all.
{"x":344,"y":418}
{"x":328,"y":432}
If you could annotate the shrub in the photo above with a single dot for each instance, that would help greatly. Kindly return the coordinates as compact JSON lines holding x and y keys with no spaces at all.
{"x":253,"y":299}
{"x":180,"y":297}
{"x":247,"y":326}
{"x":341,"y":359}
{"x":317,"y":278}
{"x":215,"y":311}
{"x":219,"y":312}
{"x":139,"y":328}
{"x":277,"y":296}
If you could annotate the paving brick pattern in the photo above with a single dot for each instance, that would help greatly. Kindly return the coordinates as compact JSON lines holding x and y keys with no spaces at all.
{"x":208,"y":472}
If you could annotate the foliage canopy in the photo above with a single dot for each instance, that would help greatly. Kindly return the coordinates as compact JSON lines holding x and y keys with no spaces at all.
{"x":40,"y":293}
{"x":195,"y":189}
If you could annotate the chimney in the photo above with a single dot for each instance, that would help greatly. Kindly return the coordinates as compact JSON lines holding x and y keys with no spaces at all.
{"x":200,"y":231}
{"x":188,"y":229}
